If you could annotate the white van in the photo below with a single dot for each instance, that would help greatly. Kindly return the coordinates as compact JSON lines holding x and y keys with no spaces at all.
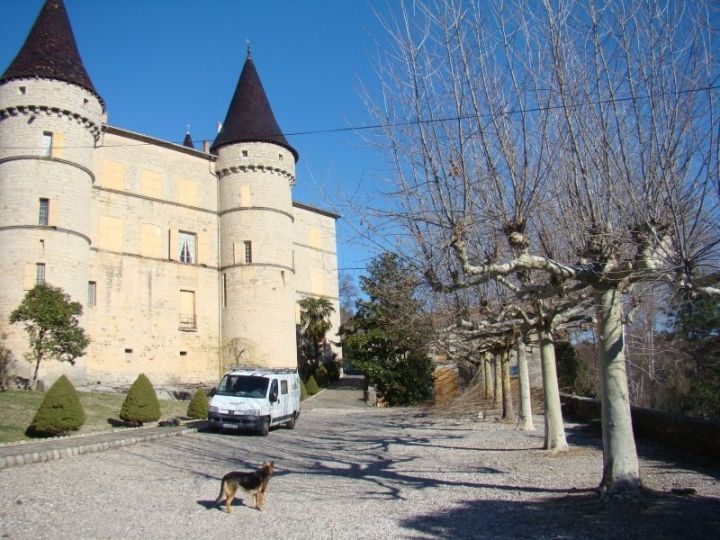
{"x":256,"y":398}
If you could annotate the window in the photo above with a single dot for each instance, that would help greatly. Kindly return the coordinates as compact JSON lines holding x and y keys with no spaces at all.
{"x":188,"y":321}
{"x":186,"y":247}
{"x":283,"y":387}
{"x":44,"y":212}
{"x":40,"y":273}
{"x":244,"y":153}
{"x":47,"y":143}
{"x":22,"y":90}
{"x":92,"y":293}
{"x":248,"y":251}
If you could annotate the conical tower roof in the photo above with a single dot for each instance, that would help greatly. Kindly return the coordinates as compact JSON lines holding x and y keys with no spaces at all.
{"x":249,"y":117}
{"x":50,"y":51}
{"x":187,"y":141}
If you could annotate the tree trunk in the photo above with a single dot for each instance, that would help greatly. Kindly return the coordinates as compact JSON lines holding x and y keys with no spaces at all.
{"x":554,"y":427}
{"x":497,"y":393}
{"x":525,"y":419}
{"x":489,"y":394}
{"x":620,"y":462}
{"x":507,"y":403}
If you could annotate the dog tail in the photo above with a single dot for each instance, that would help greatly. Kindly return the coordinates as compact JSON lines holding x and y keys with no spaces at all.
{"x":222,"y":491}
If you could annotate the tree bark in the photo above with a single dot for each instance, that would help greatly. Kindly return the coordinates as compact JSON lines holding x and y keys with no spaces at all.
{"x":525,"y":419}
{"x":507,"y":403}
{"x":489,"y":389}
{"x":497,"y":393}
{"x":554,"y":428}
{"x":620,"y":462}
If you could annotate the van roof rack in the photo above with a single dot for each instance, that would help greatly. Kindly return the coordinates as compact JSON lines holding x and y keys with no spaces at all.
{"x":250,"y":367}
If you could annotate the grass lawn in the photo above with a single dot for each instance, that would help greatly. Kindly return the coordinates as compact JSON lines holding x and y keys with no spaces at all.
{"x":17,"y":408}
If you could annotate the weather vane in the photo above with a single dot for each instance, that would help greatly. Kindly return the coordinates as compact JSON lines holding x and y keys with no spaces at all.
{"x":249,"y":49}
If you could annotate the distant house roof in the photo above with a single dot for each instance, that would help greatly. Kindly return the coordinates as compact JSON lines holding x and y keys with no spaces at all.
{"x":249,"y":117}
{"x":50,"y":51}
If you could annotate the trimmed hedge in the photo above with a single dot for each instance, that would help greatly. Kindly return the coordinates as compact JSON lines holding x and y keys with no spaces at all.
{"x":199,"y":406}
{"x":59,"y":412}
{"x":141,"y":404}
{"x":311,"y":386}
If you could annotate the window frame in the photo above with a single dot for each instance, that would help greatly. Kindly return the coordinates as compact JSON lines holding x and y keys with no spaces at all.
{"x":183,"y":250}
{"x":44,"y":212}
{"x":40,"y":274}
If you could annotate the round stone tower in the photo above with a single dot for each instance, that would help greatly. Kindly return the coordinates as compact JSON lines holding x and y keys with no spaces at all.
{"x":256,"y":172}
{"x":50,"y":121}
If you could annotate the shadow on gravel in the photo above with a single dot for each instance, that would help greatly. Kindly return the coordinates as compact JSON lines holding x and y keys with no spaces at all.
{"x":383,"y":473}
{"x":652,"y":515}
{"x":213,"y":505}
{"x":589,"y":434}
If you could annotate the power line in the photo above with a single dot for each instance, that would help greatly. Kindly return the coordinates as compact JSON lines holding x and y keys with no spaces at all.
{"x":405,"y":123}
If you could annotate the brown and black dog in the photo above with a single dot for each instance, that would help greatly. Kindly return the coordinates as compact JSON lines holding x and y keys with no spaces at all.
{"x":255,"y":483}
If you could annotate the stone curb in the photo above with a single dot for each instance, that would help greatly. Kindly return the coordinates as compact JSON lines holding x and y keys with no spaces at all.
{"x":28,"y":457}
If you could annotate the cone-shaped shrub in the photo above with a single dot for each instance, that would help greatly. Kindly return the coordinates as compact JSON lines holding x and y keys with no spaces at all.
{"x":141,"y":404}
{"x":303,"y":391}
{"x":321,"y":376}
{"x":199,"y":406}
{"x":59,"y":412}
{"x":311,"y":386}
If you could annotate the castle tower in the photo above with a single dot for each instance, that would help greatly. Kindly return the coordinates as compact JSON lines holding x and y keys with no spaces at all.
{"x":256,"y":171}
{"x":50,"y":121}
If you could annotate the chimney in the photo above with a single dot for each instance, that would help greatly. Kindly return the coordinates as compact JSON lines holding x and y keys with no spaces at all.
{"x":206,"y":146}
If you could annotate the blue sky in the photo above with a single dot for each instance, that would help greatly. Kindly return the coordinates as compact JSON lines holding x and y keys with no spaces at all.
{"x":163,"y":64}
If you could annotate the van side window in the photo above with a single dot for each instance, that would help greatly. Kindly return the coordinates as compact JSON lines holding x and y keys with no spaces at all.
{"x":283,"y":387}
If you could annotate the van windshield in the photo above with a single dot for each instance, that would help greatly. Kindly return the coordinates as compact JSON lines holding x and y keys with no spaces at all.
{"x":243,"y":386}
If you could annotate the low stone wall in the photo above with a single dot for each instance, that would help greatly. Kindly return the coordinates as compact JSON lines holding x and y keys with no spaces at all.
{"x":692,"y":435}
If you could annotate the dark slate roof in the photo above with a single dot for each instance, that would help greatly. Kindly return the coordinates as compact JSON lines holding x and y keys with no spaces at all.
{"x":50,"y":51}
{"x":249,"y":117}
{"x":188,"y":141}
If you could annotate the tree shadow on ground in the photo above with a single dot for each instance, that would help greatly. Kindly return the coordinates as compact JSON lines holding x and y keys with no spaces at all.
{"x":582,"y":433}
{"x":652,"y":515}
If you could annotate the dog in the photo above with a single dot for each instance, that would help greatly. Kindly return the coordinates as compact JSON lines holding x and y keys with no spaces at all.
{"x":254,"y":483}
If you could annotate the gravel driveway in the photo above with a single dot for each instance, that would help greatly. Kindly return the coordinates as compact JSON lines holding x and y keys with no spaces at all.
{"x":357,"y":473}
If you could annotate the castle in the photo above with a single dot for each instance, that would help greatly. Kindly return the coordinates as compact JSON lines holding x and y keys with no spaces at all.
{"x":186,"y":260}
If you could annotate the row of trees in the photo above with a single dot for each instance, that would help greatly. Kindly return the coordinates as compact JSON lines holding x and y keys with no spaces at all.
{"x":549,"y":161}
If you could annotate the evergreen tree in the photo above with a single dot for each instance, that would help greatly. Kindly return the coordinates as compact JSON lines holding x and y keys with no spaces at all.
{"x":199,"y":406}
{"x":141,"y":404}
{"x":51,"y":321}
{"x":387,"y":338}
{"x":59,"y":412}
{"x":697,"y":322}
{"x":311,"y":386}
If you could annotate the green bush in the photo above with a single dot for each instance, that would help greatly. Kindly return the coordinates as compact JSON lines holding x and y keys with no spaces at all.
{"x":311,"y":386}
{"x":199,"y":406}
{"x":321,"y":376}
{"x":303,"y":391}
{"x":333,"y":369}
{"x":59,"y":412}
{"x":141,"y":404}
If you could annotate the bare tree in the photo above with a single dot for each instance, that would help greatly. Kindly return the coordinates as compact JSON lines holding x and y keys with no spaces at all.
{"x":554,"y":148}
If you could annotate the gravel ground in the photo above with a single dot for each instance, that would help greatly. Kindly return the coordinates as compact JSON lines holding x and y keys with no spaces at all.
{"x":359,"y":473}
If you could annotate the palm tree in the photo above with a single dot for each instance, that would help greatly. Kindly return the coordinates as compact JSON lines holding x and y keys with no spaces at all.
{"x":314,"y":325}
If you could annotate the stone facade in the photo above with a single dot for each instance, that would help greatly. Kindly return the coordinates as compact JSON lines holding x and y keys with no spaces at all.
{"x":185,"y":261}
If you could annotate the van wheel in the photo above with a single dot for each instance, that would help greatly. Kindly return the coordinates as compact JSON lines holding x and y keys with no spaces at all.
{"x":291,"y":423}
{"x":265,"y":427}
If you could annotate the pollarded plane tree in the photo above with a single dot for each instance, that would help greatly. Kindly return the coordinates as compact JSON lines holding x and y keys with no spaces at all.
{"x":593,"y":125}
